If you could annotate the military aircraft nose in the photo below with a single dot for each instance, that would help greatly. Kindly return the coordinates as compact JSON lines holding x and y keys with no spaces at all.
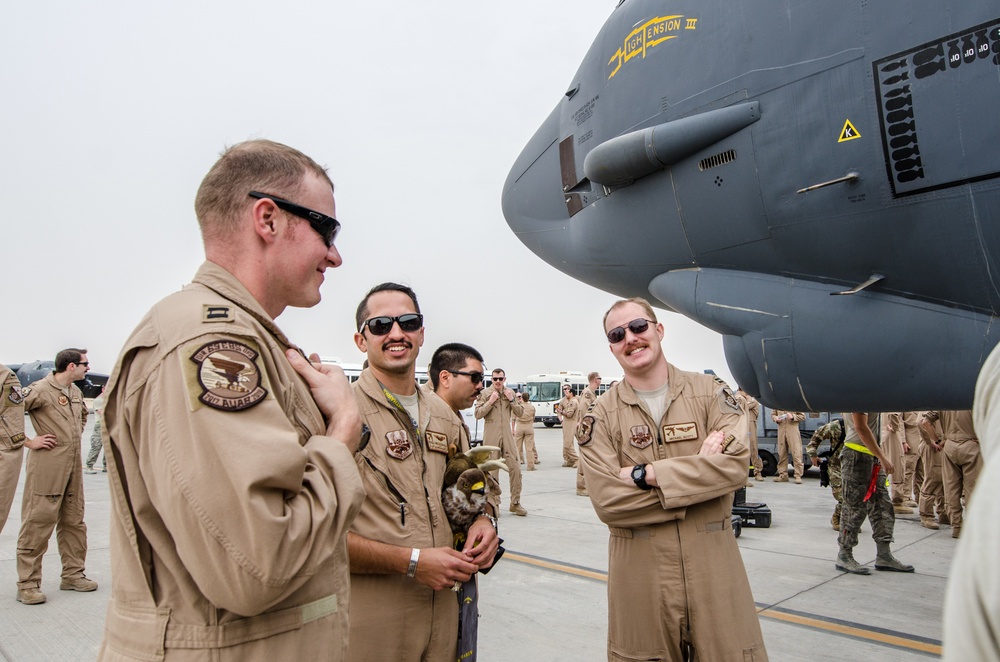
{"x":532,"y":195}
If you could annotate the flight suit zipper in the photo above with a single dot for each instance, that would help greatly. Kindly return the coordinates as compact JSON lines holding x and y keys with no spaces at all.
{"x":392,"y":490}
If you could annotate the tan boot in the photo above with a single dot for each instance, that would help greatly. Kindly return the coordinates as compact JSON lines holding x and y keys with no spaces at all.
{"x":944,"y":519}
{"x":781,"y":478}
{"x":929,"y":523}
{"x":955,"y":530}
{"x":846,"y":562}
{"x":798,"y":481}
{"x":30,"y":596}
{"x":517,"y":509}
{"x":759,"y":477}
{"x":884,"y":560}
{"x":900,"y":509}
{"x":80,"y":584}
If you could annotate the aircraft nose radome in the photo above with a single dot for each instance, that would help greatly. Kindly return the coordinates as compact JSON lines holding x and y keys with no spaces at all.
{"x":532,"y":198}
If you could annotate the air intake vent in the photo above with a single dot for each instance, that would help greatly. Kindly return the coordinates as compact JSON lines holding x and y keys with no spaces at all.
{"x":717,"y":160}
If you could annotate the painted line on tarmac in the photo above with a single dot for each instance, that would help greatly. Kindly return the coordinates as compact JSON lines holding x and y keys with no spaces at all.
{"x":874,"y":634}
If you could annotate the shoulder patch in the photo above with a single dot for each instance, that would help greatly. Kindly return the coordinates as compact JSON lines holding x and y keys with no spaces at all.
{"x":228,"y":375}
{"x":728,"y":399}
{"x":216,"y":313}
{"x":585,"y":430}
{"x":17,"y":394}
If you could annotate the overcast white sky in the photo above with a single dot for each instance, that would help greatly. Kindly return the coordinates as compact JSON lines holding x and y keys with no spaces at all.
{"x":114,"y":111}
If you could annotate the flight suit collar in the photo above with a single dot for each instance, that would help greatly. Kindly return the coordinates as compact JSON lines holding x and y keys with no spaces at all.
{"x":676,"y":378}
{"x":677,"y":381}
{"x":371,"y":387}
{"x":225,"y":284}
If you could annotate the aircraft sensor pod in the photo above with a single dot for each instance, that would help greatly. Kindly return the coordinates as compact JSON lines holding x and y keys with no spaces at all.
{"x":626,"y":158}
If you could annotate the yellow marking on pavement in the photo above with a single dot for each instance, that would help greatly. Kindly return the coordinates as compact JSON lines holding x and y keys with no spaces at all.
{"x":558,"y":567}
{"x":765,"y":612}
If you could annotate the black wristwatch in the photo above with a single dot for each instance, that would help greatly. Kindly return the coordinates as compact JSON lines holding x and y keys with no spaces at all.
{"x":639,"y":477}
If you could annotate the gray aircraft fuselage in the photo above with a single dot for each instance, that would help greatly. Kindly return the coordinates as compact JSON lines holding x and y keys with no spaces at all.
{"x":815,"y":181}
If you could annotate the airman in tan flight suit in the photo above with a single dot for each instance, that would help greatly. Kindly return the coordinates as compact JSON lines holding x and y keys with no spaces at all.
{"x":587,"y":401}
{"x":789,"y":443}
{"x":663,"y":451}
{"x":498,"y":406}
{"x":231,"y":463}
{"x":962,"y":460}
{"x":403,"y":563}
{"x":524,"y":431}
{"x":932,"y":486}
{"x":569,"y":411}
{"x":753,"y":413}
{"x":53,"y":483}
{"x":12,"y":438}
{"x":893,"y":443}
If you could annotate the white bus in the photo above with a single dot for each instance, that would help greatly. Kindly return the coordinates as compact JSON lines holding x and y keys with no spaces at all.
{"x":546,"y":391}
{"x":353,"y":370}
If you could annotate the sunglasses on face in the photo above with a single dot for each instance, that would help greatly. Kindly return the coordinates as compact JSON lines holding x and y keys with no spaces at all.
{"x":499,"y":379}
{"x":636,"y":326}
{"x":474,"y":377}
{"x":326,"y":226}
{"x":380,"y":326}
{"x":84,"y":363}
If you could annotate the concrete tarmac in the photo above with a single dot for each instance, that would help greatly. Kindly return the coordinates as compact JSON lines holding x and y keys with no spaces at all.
{"x":546,"y":599}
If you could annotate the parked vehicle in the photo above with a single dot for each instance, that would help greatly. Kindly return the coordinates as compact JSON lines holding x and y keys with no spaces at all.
{"x":546,"y":391}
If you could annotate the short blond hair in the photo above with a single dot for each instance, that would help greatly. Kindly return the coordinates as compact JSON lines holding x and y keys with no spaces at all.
{"x":254,"y":165}
{"x":621,"y":302}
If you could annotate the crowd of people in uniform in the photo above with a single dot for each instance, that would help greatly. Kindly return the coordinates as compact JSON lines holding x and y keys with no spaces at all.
{"x":264,"y":508}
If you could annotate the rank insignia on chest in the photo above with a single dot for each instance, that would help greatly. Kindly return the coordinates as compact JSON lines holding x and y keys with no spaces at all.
{"x":228,"y":376}
{"x":680,"y":432}
{"x":436,"y":441}
{"x":640,"y":436}
{"x":585,"y":431}
{"x":398,"y":444}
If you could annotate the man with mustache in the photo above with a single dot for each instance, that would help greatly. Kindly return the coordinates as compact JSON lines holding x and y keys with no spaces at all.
{"x":402,"y":562}
{"x":663,"y":451}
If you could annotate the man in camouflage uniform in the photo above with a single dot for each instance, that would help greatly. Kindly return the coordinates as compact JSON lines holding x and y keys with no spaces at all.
{"x":834,"y":433}
{"x":864,"y":493}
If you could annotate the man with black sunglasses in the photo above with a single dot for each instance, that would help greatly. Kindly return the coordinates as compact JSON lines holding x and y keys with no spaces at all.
{"x":402,"y":561}
{"x":231,"y":464}
{"x":498,"y":406}
{"x":663,"y":451}
{"x":53,"y":480}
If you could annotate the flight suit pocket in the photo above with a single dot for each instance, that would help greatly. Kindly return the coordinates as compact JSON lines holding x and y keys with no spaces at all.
{"x":44,"y":508}
{"x":136,"y":633}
